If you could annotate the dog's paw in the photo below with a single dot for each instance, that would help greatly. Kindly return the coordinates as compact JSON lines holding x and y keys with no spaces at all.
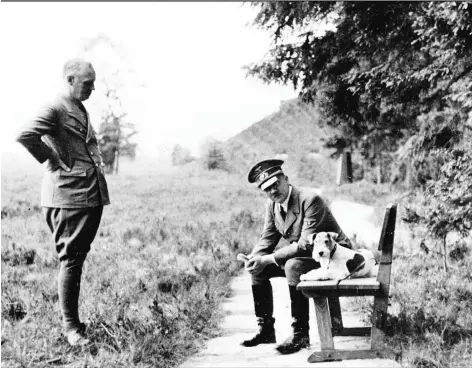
{"x":313,"y":275}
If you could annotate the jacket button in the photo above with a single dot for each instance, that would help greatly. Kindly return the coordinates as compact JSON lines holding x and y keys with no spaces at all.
{"x":91,"y":153}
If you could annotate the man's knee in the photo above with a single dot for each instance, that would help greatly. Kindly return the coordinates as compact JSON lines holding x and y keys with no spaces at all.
{"x":296,"y":267}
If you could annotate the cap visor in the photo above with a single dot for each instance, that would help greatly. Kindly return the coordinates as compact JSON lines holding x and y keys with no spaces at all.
{"x":268,"y":183}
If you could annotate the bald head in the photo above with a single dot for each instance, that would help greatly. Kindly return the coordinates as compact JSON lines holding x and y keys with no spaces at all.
{"x":74,"y":67}
{"x":79,"y":78}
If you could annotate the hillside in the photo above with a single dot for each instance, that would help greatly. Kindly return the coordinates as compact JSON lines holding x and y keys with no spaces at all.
{"x":293,"y":134}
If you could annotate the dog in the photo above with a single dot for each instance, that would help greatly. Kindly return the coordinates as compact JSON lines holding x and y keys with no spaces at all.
{"x":338,"y":262}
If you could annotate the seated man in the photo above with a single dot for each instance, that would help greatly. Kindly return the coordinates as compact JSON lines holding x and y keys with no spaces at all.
{"x":292,"y":213}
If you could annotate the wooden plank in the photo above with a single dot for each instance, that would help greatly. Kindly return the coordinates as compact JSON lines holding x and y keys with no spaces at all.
{"x":337,"y":355}
{"x":355,"y":331}
{"x":324,"y":324}
{"x":364,"y":283}
{"x":341,"y":293}
{"x":383,"y":277}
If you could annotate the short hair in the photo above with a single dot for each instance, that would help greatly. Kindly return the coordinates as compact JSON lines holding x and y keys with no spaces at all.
{"x":72,"y":66}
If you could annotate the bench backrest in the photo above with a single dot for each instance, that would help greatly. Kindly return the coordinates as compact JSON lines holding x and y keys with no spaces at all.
{"x":386,"y":247}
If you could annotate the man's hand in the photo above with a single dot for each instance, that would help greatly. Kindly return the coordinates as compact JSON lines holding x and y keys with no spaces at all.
{"x":56,"y":162}
{"x":256,"y":264}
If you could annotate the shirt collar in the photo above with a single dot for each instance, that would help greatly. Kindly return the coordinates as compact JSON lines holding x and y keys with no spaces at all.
{"x":285,"y":203}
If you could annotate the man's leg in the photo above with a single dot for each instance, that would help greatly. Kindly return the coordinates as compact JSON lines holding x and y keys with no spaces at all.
{"x":264,"y":305}
{"x":73,"y":231}
{"x":300,"y":339}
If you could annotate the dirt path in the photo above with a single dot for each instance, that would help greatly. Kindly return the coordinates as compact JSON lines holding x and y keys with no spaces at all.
{"x":240,"y":324}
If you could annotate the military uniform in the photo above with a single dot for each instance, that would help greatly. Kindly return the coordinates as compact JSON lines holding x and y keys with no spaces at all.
{"x":72,"y":198}
{"x":306,"y":214}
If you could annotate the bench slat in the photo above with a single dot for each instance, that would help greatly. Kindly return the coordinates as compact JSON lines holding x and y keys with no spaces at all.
{"x":366,"y":283}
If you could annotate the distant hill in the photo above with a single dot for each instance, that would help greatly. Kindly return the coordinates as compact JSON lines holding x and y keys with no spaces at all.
{"x":293,"y":134}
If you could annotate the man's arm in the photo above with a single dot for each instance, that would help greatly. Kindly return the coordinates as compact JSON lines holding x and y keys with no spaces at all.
{"x":30,"y":135}
{"x":270,"y":236}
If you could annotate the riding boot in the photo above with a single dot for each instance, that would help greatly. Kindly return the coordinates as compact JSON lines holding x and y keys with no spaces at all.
{"x":263,"y":308}
{"x":300,"y":313}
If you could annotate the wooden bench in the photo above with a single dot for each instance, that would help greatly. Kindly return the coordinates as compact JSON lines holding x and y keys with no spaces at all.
{"x":328,"y":311}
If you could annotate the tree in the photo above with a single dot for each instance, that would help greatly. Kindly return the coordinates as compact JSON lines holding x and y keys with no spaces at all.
{"x":382,"y":65}
{"x":213,"y":155}
{"x":115,"y":132}
{"x":181,"y":155}
{"x":389,"y":77}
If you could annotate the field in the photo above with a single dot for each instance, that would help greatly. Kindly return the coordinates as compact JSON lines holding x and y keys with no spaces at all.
{"x":158,"y":269}
{"x":161,"y":263}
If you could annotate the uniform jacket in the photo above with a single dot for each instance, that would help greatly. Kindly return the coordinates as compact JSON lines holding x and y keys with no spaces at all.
{"x":306,"y":214}
{"x":61,"y":127}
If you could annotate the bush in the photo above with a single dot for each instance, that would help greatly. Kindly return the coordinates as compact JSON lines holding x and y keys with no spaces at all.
{"x":181,"y":155}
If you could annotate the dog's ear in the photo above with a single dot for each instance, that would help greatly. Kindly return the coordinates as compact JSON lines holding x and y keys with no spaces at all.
{"x":333,"y":235}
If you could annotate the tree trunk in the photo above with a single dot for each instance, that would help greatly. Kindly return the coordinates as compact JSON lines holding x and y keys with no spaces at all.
{"x":379,"y":171}
{"x":117,"y":159}
{"x":445,"y":253}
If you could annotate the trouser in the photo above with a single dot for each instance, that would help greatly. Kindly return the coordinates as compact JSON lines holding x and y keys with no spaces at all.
{"x":262,"y":289}
{"x":73,"y":231}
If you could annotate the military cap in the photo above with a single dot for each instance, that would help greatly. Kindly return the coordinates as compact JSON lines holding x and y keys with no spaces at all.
{"x":263,"y":173}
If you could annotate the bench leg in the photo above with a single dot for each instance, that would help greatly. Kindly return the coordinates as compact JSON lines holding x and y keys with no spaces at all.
{"x":378,"y":323}
{"x":336,"y":316}
{"x":323,"y":320}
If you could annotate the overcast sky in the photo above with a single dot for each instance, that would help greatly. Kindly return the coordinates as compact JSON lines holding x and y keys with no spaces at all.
{"x":189,"y":55}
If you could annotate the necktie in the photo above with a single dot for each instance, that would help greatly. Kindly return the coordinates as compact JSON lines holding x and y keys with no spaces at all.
{"x":282,"y":213}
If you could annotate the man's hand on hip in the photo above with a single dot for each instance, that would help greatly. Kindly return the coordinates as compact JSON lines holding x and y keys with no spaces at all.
{"x":56,"y":162}
{"x":257,"y":264}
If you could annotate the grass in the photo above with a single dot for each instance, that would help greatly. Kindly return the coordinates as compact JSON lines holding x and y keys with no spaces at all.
{"x":152,"y":284}
{"x":161,"y":263}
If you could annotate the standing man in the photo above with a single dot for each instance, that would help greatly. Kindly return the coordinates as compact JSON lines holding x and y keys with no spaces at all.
{"x":292,"y":213}
{"x":74,"y":189}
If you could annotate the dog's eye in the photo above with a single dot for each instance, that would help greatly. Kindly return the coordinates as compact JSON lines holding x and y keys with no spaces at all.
{"x":326,"y":242}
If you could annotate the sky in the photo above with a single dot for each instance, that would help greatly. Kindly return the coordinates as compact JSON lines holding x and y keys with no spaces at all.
{"x":187,"y":82}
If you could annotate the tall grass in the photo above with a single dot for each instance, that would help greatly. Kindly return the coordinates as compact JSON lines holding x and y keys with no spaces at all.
{"x":429,"y":321}
{"x":162,"y":261}
{"x":152,"y":284}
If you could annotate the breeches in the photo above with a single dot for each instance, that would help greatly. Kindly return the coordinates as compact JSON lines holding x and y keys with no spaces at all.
{"x":73,"y":231}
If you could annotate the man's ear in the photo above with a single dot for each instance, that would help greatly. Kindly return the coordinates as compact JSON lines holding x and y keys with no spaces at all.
{"x":333,"y":235}
{"x":70,"y":80}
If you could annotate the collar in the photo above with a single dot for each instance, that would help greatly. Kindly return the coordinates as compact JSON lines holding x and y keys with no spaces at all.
{"x":333,"y":251}
{"x":284,"y":205}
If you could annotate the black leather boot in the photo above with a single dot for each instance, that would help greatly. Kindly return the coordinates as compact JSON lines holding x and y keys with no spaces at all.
{"x":300,"y":314}
{"x":264,"y":308}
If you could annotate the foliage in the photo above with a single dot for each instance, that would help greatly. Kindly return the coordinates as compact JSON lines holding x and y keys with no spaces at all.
{"x":377,"y":67}
{"x":389,"y":77}
{"x":153,"y":281}
{"x":213,"y":155}
{"x":445,"y":205}
{"x":181,"y":155}
{"x":116,"y":131}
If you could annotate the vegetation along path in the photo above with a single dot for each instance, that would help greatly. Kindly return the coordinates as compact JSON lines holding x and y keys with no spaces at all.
{"x":239,"y":322}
